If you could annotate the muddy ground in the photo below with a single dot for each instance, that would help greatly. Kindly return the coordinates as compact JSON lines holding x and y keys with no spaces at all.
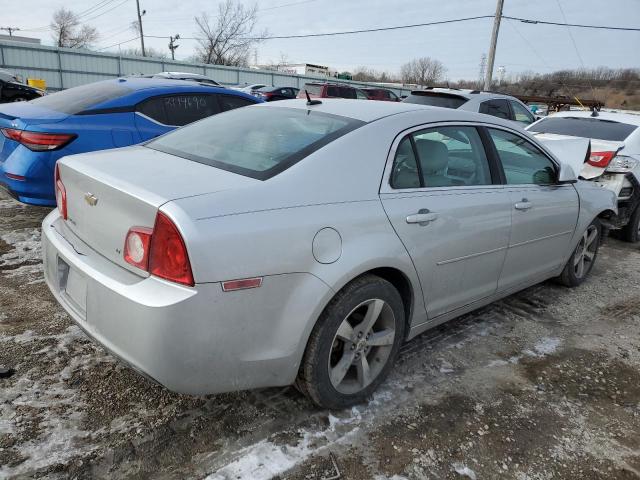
{"x":542,"y":385}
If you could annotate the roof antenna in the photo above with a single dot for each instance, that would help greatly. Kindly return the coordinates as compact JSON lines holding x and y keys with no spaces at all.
{"x":594,"y":112}
{"x":311,"y":102}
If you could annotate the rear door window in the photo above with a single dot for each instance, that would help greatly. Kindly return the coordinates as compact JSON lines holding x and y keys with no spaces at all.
{"x":586,"y":127}
{"x":447,"y":157}
{"x":313,"y":89}
{"x":153,"y":108}
{"x":179,"y":110}
{"x":229,"y":102}
{"x":496,"y":108}
{"x":77,"y":99}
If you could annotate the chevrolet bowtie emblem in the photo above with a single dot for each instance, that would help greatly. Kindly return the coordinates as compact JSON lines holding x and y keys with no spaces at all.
{"x":91,"y":199}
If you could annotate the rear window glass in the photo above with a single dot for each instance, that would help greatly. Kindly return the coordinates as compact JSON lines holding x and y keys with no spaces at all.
{"x":584,"y":127}
{"x":257,"y":142}
{"x":341,"y":92}
{"x":76,"y":99}
{"x":436,"y":99}
{"x":313,"y":89}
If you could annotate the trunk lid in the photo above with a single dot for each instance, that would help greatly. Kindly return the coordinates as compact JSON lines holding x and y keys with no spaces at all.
{"x":21,"y":114}
{"x":111,"y":191}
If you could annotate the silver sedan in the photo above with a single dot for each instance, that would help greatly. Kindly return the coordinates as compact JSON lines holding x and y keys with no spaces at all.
{"x":304,"y":243}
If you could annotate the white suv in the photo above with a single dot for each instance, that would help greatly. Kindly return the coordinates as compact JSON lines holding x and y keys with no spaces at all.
{"x":496,"y":104}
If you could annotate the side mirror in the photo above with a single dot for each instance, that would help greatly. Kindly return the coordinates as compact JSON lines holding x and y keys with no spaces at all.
{"x":566,"y":175}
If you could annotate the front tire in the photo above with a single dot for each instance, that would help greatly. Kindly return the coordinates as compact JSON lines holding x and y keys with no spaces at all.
{"x":631,"y":231}
{"x":583,"y":257}
{"x":354,"y":344}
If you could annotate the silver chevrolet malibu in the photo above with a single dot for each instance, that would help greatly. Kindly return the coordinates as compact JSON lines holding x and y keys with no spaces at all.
{"x":297,"y":242}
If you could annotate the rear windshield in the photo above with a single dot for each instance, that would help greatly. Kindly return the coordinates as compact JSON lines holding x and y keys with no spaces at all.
{"x":313,"y":89}
{"x":77,"y":99}
{"x":341,"y":92}
{"x":596,"y":128}
{"x":436,"y":99}
{"x":257,"y":142}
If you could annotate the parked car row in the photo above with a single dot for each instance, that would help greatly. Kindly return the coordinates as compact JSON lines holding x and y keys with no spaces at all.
{"x":12,"y":89}
{"x":222,"y":238}
{"x":108,"y":114}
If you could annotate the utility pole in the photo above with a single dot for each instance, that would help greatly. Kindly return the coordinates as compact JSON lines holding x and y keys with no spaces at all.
{"x":173,"y":46}
{"x":140,"y":27}
{"x":492,"y":46}
{"x":10,"y":30}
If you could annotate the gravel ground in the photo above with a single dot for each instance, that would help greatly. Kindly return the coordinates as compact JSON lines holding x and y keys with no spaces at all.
{"x":542,"y":385}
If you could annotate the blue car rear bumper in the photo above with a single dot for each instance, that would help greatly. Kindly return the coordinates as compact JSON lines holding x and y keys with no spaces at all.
{"x":36,"y":168}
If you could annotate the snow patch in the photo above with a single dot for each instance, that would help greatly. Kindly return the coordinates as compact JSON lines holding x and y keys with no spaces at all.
{"x":464,"y":471}
{"x":26,"y":250}
{"x":547,"y":346}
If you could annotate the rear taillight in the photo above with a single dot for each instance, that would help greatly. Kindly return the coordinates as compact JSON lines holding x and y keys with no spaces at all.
{"x":38,"y":141}
{"x":136,"y":247}
{"x":61,"y":194}
{"x":600,"y":159}
{"x":161,"y":251}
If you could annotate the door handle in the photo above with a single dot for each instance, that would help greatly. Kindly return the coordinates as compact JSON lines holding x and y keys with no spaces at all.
{"x":524,"y":204}
{"x":423,"y":217}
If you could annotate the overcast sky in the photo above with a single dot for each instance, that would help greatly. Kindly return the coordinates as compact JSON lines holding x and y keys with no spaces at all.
{"x":521,"y":47}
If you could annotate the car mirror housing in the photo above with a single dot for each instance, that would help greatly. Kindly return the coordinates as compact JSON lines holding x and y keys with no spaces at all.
{"x":567,"y":174}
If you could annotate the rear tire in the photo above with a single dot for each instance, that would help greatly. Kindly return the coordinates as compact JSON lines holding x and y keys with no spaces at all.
{"x":354,"y":344}
{"x":631,"y":231}
{"x":583,"y":257}
{"x":20,"y":99}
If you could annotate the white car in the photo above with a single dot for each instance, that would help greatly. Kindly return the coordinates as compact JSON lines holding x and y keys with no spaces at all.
{"x":614,"y":162}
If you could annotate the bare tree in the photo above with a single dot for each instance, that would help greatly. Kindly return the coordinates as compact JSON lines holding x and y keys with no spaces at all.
{"x":67,"y":31}
{"x":366,"y":74}
{"x":422,"y":71}
{"x":150,"y":52}
{"x":226,"y":38}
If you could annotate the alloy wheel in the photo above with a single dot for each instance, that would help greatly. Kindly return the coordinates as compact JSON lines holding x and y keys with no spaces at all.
{"x":585,"y":252}
{"x":362,"y":345}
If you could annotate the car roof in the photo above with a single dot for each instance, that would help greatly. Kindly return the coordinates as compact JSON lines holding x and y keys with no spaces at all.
{"x":141,"y":87}
{"x":466,"y":93}
{"x":630,"y":118}
{"x":372,"y":111}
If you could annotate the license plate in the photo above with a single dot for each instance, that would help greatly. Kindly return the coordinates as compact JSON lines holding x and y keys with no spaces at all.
{"x":73,"y":286}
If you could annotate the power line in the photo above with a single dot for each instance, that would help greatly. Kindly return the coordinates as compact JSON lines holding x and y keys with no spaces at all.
{"x":577,"y":25}
{"x":350,"y":32}
{"x":106,"y":11}
{"x":119,"y":43}
{"x":575,"y":45}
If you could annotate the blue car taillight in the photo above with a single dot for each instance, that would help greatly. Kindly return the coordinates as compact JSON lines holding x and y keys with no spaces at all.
{"x":38,"y":141}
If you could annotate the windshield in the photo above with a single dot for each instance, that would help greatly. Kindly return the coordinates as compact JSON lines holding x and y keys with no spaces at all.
{"x":595,"y":128}
{"x":257,"y":142}
{"x":77,"y":99}
{"x":436,"y":99}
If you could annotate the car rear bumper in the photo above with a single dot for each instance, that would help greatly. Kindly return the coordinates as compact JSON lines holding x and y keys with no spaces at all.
{"x":191,"y":340}
{"x":37,"y":170}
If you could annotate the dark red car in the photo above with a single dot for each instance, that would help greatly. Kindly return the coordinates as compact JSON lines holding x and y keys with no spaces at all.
{"x":327,"y":90}
{"x":381,"y":94}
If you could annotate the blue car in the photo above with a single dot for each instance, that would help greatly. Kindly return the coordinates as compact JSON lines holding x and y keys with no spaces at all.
{"x":108,"y":114}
